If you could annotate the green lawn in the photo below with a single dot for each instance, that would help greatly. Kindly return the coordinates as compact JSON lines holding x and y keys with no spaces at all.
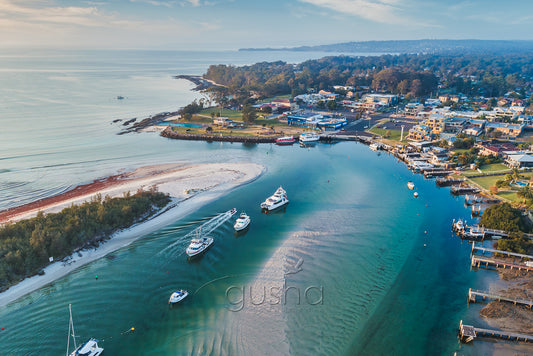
{"x":460,"y":150}
{"x":495,"y":167}
{"x":268,"y":100}
{"x":511,"y":196}
{"x":486,"y":182}
{"x":232,"y":114}
{"x":394,"y":134}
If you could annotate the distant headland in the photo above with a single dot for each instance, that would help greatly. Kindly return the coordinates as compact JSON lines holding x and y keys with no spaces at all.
{"x":415,"y":46}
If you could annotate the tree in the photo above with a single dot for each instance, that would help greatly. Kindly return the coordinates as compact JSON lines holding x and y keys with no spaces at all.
{"x":503,"y":217}
{"x":248,"y":114}
{"x":332,"y":105}
{"x":525,"y":193}
{"x":208,"y":129}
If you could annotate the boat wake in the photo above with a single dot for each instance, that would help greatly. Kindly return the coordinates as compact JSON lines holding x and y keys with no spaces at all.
{"x":205,"y":229}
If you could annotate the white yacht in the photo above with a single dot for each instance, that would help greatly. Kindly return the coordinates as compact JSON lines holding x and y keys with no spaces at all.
{"x":199,"y":245}
{"x":88,"y":348}
{"x":410,"y":185}
{"x":309,"y":137}
{"x":242,"y":222}
{"x":177,"y":296}
{"x":278,"y":199}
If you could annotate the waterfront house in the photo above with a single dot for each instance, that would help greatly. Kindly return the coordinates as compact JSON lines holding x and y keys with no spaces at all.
{"x":419,"y":133}
{"x":519,"y":161}
{"x":496,"y":149}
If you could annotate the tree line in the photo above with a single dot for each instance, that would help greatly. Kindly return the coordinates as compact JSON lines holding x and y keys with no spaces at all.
{"x":489,"y":75}
{"x":27,"y":245}
{"x":504,"y":217}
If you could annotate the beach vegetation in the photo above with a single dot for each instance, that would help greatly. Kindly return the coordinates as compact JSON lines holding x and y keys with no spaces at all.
{"x":27,"y":245}
{"x":504,"y":217}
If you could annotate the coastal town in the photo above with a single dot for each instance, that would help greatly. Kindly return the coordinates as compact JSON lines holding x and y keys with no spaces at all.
{"x":480,"y":147}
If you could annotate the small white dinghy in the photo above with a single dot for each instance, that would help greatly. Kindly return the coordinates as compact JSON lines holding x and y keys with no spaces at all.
{"x":178,"y":296}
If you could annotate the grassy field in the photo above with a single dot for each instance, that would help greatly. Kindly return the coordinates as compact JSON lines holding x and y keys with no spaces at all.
{"x":511,"y":196}
{"x":486,"y":182}
{"x":268,"y":100}
{"x":495,"y":167}
{"x":394,"y":134}
{"x":231,"y":114}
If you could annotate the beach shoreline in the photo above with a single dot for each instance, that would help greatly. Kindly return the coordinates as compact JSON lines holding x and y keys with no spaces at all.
{"x":190,"y":188}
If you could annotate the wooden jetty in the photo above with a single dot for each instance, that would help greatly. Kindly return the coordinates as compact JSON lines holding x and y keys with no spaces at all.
{"x":469,"y":333}
{"x":483,"y":261}
{"x":479,"y":199}
{"x":459,"y":190}
{"x":491,"y":250}
{"x":473,"y":294}
{"x":444,"y":182}
{"x":436,"y":173}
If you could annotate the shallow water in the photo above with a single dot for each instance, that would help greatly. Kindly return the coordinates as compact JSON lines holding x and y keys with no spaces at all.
{"x":376,"y":270}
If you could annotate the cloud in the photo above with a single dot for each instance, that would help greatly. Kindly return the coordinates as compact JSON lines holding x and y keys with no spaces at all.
{"x":168,"y":4}
{"x":383,"y":11}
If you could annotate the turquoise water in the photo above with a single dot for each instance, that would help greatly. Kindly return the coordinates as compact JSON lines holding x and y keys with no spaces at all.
{"x":179,"y":124}
{"x":380,"y":272}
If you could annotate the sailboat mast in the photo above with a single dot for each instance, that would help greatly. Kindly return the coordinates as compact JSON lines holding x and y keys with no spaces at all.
{"x":71,"y":327}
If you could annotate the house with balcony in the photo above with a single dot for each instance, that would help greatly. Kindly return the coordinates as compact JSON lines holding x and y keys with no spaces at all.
{"x":419,"y":133}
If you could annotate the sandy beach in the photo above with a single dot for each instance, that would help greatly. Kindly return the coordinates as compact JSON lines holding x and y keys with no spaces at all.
{"x":190,"y":187}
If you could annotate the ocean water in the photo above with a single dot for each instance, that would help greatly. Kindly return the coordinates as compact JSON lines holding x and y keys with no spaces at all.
{"x":362,"y":266}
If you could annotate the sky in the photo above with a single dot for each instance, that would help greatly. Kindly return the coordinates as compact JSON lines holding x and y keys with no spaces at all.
{"x":233,"y":24}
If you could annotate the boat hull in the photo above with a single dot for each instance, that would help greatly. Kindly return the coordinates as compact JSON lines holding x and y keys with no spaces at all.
{"x":175,"y":298}
{"x":274,"y":206}
{"x":198,"y":252}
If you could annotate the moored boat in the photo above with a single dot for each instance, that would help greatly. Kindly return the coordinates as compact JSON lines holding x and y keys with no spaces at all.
{"x":199,"y":245}
{"x":287,"y":140}
{"x":242,"y":222}
{"x":88,"y":348}
{"x":308,"y":137}
{"x":177,"y":296}
{"x":459,"y":225}
{"x":277,"y":200}
{"x":410,"y":185}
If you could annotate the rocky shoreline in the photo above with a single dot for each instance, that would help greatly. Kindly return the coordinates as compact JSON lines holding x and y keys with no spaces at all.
{"x":199,"y":81}
{"x":215,"y":138}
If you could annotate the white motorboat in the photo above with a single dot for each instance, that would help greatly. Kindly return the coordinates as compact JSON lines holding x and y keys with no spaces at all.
{"x":306,"y":137}
{"x":410,"y":185}
{"x":278,"y":199}
{"x":415,"y":194}
{"x":242,"y":222}
{"x":459,"y":225}
{"x":199,"y":245}
{"x":177,"y":296}
{"x":374,"y":146}
{"x":88,"y":348}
